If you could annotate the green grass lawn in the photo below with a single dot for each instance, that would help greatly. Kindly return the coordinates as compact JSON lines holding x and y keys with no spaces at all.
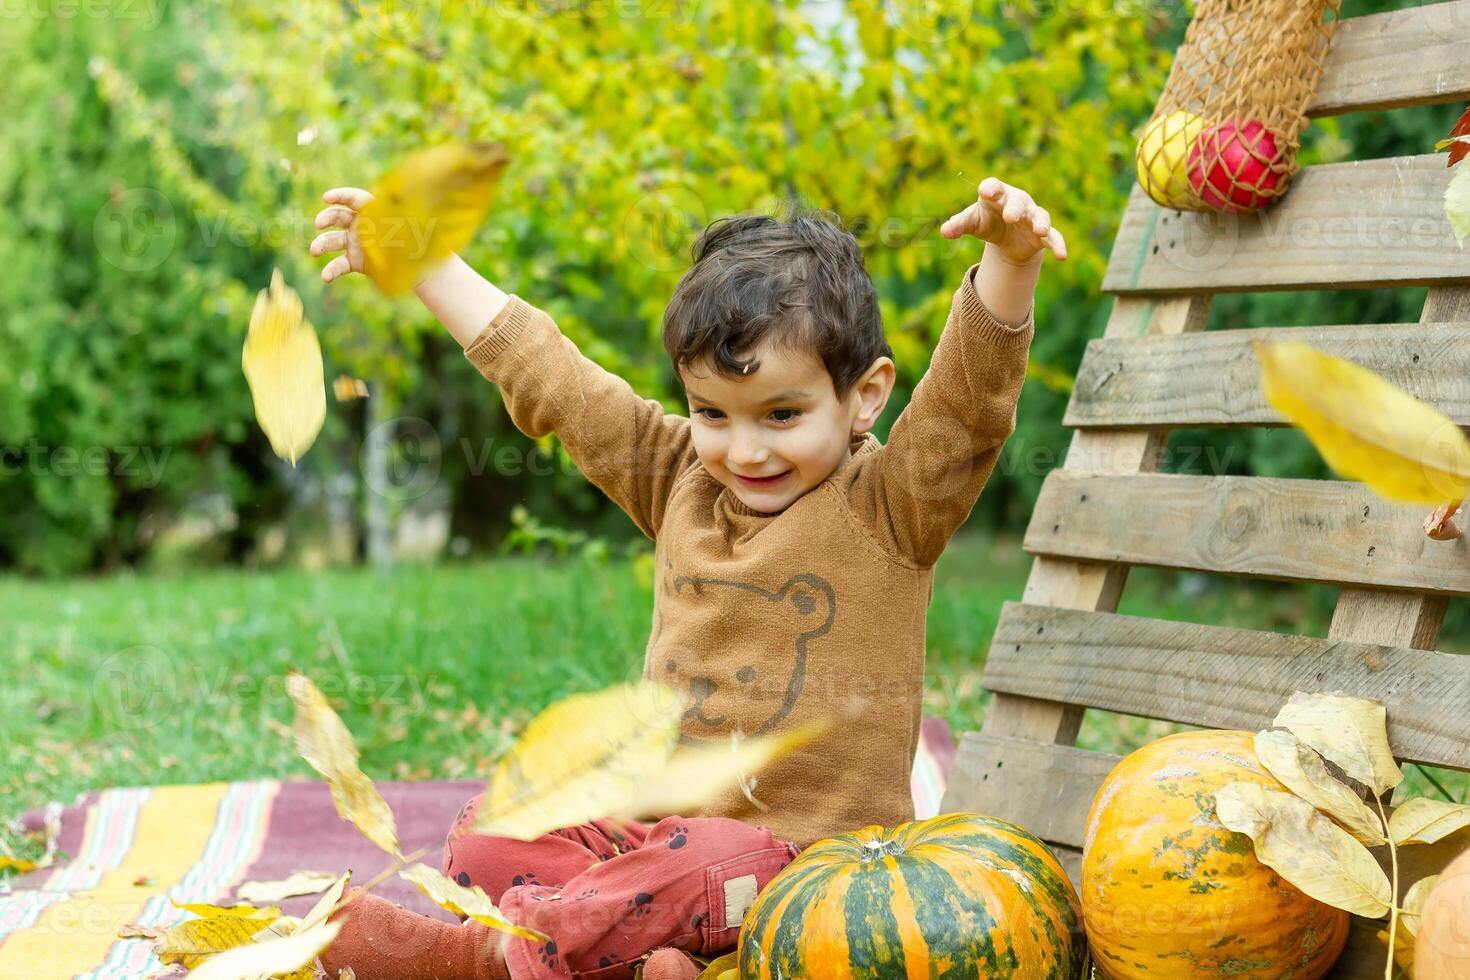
{"x":175,"y":679}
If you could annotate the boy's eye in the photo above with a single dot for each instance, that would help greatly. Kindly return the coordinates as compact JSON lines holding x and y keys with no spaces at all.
{"x":711,"y":414}
{"x":793,"y":413}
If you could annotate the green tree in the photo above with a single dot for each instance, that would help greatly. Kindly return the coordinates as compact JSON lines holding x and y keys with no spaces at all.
{"x":633,"y":125}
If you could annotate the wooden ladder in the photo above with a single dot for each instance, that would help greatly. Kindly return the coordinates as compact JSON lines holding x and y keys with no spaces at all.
{"x":1063,"y":648}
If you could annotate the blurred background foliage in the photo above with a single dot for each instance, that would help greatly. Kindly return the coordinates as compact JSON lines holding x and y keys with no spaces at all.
{"x":162,"y":160}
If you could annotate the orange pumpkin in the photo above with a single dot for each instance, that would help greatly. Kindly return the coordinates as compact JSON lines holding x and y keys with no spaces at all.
{"x":1442,"y":945}
{"x":1167,"y":891}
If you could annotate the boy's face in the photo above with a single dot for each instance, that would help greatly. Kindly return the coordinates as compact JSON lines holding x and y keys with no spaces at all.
{"x":783,"y":422}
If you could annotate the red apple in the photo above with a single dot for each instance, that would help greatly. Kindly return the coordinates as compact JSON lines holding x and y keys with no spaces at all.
{"x":1245,"y":153}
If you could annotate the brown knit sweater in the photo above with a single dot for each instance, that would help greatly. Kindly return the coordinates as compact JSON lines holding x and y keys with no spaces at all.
{"x":768,"y":621}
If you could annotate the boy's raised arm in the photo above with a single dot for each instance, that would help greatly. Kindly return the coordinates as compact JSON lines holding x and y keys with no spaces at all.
{"x":940,"y":452}
{"x":625,"y":444}
{"x":943,"y":447}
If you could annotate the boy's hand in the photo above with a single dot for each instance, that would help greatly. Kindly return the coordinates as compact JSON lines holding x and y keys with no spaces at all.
{"x":347,"y":201}
{"x":1009,"y":219}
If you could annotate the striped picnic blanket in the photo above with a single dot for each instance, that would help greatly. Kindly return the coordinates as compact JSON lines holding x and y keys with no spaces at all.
{"x":132,"y":850}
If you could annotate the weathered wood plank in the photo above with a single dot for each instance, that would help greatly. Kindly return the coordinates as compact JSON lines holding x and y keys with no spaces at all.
{"x":1360,"y":224}
{"x":1302,"y":530}
{"x":1219,"y":677}
{"x":997,"y":778}
{"x":1214,"y":378}
{"x":1086,"y":585}
{"x":1366,"y":67}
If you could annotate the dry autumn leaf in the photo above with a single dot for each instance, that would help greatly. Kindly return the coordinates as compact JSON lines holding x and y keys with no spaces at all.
{"x":325,"y":743}
{"x":299,"y":883}
{"x":1301,"y":770}
{"x":194,"y":940}
{"x":1305,"y":848}
{"x":1350,"y":732}
{"x":272,"y":957}
{"x":472,"y":902}
{"x":726,"y":967}
{"x":325,"y":904}
{"x":582,"y":758}
{"x":694,"y":774}
{"x":1459,"y":140}
{"x":426,"y":208}
{"x":1364,"y":427}
{"x":346,"y":389}
{"x":1424,"y":821}
{"x":283,"y":365}
{"x":1414,"y":902}
{"x":207,"y":911}
{"x":1440,"y":524}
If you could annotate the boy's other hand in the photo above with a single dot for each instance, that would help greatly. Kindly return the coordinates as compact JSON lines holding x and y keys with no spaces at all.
{"x":1007,"y":217}
{"x":347,"y":202}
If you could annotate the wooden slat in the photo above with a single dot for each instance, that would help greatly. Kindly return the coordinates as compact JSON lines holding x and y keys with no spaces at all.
{"x":1218,"y":677}
{"x":1305,"y":530}
{"x":1214,"y":378}
{"x":1091,"y":585}
{"x":1004,"y":777}
{"x":1342,"y":225}
{"x":1070,"y":775}
{"x":1366,"y":67}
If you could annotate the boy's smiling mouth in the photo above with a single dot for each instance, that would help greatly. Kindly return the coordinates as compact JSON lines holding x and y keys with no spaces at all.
{"x":762,"y":481}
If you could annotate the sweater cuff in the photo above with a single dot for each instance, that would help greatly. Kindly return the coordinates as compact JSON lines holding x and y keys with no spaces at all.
{"x":500,"y":333}
{"x":991,"y":329}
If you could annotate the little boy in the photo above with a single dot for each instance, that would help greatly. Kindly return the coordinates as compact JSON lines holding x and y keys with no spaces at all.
{"x":794,"y":554}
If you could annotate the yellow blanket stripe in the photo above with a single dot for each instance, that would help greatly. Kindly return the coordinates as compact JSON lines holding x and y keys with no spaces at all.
{"x":74,"y":935}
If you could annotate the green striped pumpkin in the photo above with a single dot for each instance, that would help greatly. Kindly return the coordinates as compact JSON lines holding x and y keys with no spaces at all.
{"x":961,"y":895}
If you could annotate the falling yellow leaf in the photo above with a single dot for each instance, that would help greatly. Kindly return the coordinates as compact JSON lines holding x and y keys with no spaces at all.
{"x":299,"y":883}
{"x":324,"y":742}
{"x":345,"y":388}
{"x":192,"y":941}
{"x":1304,"y":847}
{"x":695,"y":774}
{"x":1424,"y":821}
{"x":1350,"y":732}
{"x":283,"y":365}
{"x":1364,"y":427}
{"x":1303,"y":772}
{"x":271,"y":957}
{"x":584,"y":757}
{"x":426,"y":208}
{"x":472,"y":902}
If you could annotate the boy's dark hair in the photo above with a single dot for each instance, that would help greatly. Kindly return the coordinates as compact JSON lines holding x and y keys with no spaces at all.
{"x":798,"y":280}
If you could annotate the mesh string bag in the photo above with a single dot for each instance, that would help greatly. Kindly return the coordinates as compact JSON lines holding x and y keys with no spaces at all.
{"x":1225,"y":132}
